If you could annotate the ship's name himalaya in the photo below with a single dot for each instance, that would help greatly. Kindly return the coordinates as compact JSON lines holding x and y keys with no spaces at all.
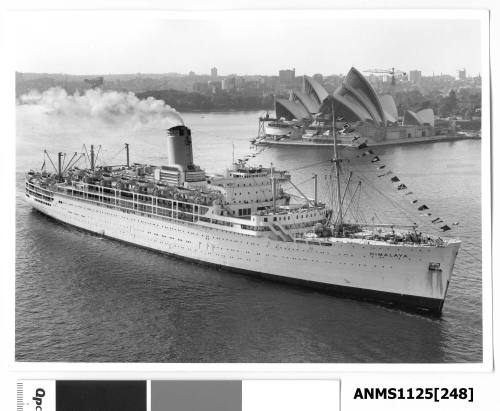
{"x":391,"y":255}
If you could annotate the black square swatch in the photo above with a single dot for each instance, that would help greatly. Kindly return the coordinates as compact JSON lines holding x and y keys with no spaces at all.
{"x":101,"y":396}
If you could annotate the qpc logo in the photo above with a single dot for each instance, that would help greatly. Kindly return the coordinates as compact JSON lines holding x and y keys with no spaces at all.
{"x":39,"y":394}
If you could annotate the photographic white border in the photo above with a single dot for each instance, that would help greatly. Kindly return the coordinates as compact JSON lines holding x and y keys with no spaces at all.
{"x":237,"y":370}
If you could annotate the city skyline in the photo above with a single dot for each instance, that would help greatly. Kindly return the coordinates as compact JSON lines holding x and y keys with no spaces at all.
{"x":235,"y":47}
{"x":222,"y":75}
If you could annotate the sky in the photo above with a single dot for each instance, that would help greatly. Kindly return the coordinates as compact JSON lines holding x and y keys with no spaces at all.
{"x":253,"y":44}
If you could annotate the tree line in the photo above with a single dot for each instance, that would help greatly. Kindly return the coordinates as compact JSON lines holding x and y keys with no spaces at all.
{"x":466,"y":102}
{"x":193,"y":101}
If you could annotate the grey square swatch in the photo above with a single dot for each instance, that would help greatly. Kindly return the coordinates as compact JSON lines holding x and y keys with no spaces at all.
{"x":196,"y":396}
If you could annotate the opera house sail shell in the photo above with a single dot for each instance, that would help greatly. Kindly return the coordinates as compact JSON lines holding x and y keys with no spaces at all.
{"x":357,"y":97}
{"x":390,"y":109}
{"x":302,"y":104}
{"x":426,"y":116}
{"x":315,"y":90}
{"x":423,"y":117}
{"x":289,"y":109}
{"x":309,"y":103}
{"x":411,"y":118}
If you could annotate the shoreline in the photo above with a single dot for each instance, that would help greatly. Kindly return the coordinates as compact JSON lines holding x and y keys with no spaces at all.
{"x":406,"y":141}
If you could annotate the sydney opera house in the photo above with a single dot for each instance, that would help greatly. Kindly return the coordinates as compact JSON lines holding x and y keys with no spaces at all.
{"x":355,"y":101}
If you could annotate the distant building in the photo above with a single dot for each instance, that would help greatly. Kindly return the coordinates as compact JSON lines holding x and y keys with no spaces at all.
{"x":462,"y":74}
{"x":192,"y":74}
{"x":213,"y":72}
{"x":94,"y":82}
{"x":239,"y":82}
{"x":215,"y":86}
{"x":318,"y":77}
{"x":332,"y":82}
{"x":415,"y":76}
{"x":201,"y":87}
{"x":477,"y":80}
{"x":286,"y":75}
{"x":373,"y":79}
{"x":252,"y":84}
{"x":229,"y":83}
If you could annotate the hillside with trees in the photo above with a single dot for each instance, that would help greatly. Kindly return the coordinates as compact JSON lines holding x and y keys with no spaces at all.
{"x":221,"y":101}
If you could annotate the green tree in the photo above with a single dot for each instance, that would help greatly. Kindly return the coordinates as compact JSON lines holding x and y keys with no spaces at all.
{"x":449,"y":104}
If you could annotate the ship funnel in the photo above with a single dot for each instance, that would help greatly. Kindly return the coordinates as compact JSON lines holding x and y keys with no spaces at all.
{"x":180,"y":147}
{"x":180,"y":169}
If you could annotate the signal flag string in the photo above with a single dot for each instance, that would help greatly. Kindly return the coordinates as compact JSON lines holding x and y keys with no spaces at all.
{"x":398,"y":184}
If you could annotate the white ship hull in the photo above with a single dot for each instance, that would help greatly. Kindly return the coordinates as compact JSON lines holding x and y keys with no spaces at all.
{"x":278,"y":131}
{"x":385,"y":272}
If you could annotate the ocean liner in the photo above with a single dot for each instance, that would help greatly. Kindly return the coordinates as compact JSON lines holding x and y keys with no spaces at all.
{"x":245,"y":221}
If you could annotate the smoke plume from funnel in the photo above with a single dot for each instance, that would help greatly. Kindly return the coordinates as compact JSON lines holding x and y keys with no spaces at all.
{"x":109,"y":106}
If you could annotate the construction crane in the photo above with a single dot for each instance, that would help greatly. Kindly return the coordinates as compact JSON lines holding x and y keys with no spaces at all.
{"x":392,"y":71}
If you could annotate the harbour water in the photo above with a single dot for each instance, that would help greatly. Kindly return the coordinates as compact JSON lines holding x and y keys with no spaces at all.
{"x":80,"y":297}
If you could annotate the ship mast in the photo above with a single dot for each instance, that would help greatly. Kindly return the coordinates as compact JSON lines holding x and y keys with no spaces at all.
{"x":92,"y":157}
{"x":315,"y":178}
{"x":59,"y":165}
{"x":336,"y":162}
{"x":273,"y":187}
